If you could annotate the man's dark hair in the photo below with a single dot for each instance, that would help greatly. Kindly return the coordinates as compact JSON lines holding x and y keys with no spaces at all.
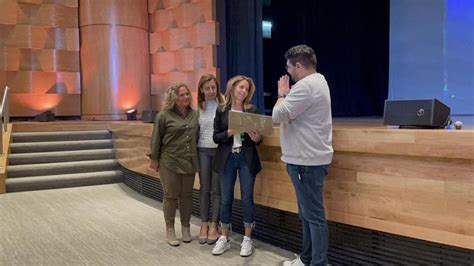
{"x":302,"y":54}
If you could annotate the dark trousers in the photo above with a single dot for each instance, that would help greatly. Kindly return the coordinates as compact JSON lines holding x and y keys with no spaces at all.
{"x":209,"y":181}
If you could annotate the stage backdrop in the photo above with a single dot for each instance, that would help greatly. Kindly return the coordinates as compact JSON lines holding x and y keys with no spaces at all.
{"x":432,"y":52}
{"x":351,"y":42}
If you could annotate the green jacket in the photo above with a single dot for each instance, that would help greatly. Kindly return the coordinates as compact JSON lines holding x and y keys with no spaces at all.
{"x":174,"y":141}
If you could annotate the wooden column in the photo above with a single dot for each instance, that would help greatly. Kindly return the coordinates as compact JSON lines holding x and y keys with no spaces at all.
{"x":114,"y":58}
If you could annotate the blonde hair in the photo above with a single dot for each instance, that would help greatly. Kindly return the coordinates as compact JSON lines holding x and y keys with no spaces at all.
{"x":231,"y":84}
{"x":171,"y":96}
{"x":201,"y":98}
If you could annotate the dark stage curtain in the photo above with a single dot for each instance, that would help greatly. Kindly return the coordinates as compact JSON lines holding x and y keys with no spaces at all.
{"x":240,"y":50}
{"x":351,"y":41}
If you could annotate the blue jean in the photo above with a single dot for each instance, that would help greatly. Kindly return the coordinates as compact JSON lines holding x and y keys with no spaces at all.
{"x":308,"y":182}
{"x":236,"y":162}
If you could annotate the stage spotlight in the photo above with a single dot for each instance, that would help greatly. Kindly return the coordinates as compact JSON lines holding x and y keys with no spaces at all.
{"x":45,"y":117}
{"x":148,"y":116}
{"x":132,"y":114}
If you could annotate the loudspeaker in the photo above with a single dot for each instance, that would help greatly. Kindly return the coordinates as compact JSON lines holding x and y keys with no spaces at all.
{"x":428,"y":113}
{"x":148,"y":116}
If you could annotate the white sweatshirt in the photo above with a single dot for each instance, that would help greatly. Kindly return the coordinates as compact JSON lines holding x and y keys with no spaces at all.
{"x":306,"y":123}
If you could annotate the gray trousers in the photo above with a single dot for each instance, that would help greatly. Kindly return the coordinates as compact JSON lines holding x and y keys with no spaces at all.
{"x":209,"y":181}
{"x":176,"y":187}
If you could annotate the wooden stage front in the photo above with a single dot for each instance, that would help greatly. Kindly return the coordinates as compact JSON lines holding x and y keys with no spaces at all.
{"x":412,"y":182}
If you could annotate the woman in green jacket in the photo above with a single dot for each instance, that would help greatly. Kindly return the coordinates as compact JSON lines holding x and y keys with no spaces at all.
{"x":174,"y":156}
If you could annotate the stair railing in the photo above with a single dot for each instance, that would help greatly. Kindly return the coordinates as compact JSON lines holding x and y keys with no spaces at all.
{"x":4,"y":116}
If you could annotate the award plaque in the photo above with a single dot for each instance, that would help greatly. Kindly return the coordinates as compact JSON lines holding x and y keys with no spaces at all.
{"x":241,"y":122}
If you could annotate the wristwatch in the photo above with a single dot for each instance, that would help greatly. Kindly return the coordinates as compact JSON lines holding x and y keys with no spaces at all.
{"x":281,"y":95}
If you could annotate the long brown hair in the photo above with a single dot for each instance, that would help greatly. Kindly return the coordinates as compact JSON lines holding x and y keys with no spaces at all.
{"x":172,"y":94}
{"x":231,"y":84}
{"x":201,"y":98}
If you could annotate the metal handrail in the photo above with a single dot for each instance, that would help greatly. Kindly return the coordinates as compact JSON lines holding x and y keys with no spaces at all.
{"x":4,"y":116}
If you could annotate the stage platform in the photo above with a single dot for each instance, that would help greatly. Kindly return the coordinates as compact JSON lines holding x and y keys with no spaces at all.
{"x":417,"y":183}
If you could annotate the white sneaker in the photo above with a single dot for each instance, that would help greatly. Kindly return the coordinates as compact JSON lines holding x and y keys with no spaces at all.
{"x":295,"y":262}
{"x":221,"y":246}
{"x":246,"y":247}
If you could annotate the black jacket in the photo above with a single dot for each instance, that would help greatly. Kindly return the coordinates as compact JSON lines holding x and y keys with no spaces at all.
{"x":224,"y":148}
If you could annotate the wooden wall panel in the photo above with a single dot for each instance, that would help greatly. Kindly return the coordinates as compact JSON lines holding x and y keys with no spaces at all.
{"x":187,"y":59}
{"x":49,"y":60}
{"x":155,"y":5}
{"x":8,"y":15}
{"x":40,"y":82}
{"x":183,"y":42}
{"x":425,"y":197}
{"x":3,"y":80}
{"x":395,"y":141}
{"x":39,"y":54}
{"x":9,"y":59}
{"x":47,"y":15}
{"x":114,"y":57}
{"x":67,"y":3}
{"x":199,"y":35}
{"x":30,"y":104}
{"x":35,"y":37}
{"x":30,"y":1}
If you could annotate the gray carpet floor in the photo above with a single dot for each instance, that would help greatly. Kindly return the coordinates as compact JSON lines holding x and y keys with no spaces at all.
{"x":104,"y":225}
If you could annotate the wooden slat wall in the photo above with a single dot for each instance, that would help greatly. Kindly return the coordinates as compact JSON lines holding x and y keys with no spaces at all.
{"x":183,"y":43}
{"x":39,"y":52}
{"x":415,"y":183}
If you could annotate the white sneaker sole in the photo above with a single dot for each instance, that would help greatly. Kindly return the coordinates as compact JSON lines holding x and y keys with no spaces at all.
{"x":246,"y":255}
{"x":220,"y":253}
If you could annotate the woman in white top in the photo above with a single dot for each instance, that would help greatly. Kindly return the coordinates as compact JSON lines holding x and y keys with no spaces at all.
{"x":209,"y":98}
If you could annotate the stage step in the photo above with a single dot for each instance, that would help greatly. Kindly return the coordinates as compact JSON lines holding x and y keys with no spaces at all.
{"x":63,"y":180}
{"x":60,"y":136}
{"x":47,"y":160}
{"x":60,"y":168}
{"x":60,"y":156}
{"x":28,"y":147}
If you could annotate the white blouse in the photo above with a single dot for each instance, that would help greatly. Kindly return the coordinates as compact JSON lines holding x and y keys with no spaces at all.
{"x":206,"y":124}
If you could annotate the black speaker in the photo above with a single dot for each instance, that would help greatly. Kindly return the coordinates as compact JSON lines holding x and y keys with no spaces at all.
{"x":428,"y":113}
{"x":148,"y":116}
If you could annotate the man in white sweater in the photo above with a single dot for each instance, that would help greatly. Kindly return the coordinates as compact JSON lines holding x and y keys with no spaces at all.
{"x":304,"y":114}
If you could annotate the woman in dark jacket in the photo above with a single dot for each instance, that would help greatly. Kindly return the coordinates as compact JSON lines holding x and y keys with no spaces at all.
{"x":236,"y":153}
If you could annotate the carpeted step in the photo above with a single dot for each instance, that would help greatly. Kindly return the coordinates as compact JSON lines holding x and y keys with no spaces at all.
{"x":29,"y":147}
{"x":23,"y":170}
{"x":60,"y":156}
{"x":21,"y":137}
{"x":63,"y":180}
